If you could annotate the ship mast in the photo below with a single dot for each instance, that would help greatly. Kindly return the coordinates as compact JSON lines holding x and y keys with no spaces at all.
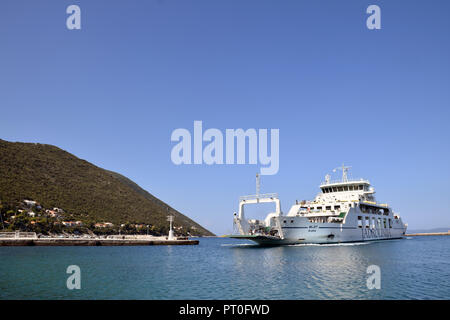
{"x":258,"y":185}
{"x":344,"y":172}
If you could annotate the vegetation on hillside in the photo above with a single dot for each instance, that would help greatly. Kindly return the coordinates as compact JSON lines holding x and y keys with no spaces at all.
{"x":55,"y":178}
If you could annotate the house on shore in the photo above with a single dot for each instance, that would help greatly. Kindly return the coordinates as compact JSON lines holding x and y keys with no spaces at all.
{"x":104,"y":225}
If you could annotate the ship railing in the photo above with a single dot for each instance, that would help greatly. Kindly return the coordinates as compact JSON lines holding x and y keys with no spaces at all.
{"x":259,"y":196}
{"x":338,"y":181}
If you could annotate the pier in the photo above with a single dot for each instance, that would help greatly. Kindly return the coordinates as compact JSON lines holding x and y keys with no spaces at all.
{"x":428,"y":234}
{"x":31,"y":239}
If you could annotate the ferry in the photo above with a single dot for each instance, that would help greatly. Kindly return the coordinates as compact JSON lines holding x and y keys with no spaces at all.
{"x":345,"y":210}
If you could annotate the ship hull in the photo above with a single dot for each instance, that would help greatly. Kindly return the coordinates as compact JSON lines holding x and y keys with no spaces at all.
{"x":297,"y":230}
{"x":286,"y":242}
{"x":320,"y":238}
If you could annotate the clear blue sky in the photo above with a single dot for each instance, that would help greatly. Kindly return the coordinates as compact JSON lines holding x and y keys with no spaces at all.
{"x":113,"y":92}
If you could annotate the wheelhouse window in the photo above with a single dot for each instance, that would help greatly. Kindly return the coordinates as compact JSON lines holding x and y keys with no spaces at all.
{"x":337,"y":207}
{"x":328,"y":208}
{"x":360,"y":187}
{"x":390,"y":224}
{"x":359,"y":222}
{"x":367,"y":222}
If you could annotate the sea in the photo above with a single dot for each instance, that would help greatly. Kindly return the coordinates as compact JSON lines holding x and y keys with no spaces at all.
{"x":221,"y":268}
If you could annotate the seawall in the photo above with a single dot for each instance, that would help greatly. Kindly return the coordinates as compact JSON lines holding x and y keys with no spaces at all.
{"x":428,"y":234}
{"x":93,"y":242}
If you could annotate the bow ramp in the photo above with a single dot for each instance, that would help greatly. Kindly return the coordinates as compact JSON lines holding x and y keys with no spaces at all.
{"x":260,"y":231}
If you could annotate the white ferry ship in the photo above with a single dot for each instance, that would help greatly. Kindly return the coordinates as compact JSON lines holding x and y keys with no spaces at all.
{"x":344,"y":211}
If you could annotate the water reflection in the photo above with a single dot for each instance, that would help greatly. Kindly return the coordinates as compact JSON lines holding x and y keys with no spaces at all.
{"x":318,"y":271}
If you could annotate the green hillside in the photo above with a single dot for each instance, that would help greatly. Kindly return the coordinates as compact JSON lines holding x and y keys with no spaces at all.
{"x":56,"y":178}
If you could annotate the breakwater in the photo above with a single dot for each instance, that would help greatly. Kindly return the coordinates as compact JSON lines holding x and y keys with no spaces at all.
{"x":428,"y":234}
{"x":93,"y":242}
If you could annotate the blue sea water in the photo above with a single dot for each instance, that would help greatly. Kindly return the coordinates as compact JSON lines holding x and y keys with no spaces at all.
{"x":412,"y":268}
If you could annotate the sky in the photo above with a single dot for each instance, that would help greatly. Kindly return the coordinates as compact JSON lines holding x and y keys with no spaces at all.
{"x":113,"y":92}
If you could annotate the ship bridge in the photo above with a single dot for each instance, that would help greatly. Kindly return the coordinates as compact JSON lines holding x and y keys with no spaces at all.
{"x":345,"y":184}
{"x":350,"y":185}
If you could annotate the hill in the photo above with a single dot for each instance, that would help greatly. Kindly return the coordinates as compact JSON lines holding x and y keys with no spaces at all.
{"x":56,"y":178}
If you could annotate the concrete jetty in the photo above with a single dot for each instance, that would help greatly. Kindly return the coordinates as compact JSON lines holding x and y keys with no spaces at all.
{"x":30,"y":239}
{"x":92,"y":242}
{"x":428,"y":234}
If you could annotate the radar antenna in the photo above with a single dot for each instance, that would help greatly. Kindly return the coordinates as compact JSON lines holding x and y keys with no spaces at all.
{"x":344,"y":172}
